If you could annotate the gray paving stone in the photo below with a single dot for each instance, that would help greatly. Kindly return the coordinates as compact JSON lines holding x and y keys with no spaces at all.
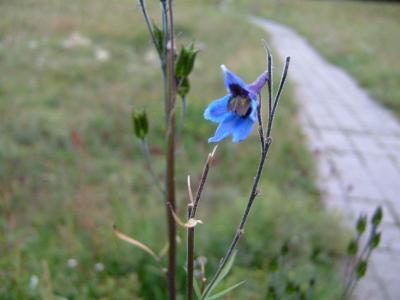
{"x":387,"y":266}
{"x":369,"y":289}
{"x":334,"y":140}
{"x":367,"y":143}
{"x":356,"y":143}
{"x":390,"y":239}
{"x":385,"y":174}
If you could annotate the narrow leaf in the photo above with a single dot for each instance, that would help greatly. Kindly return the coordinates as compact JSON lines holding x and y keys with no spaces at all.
{"x":224,"y":272}
{"x":196,"y":289}
{"x":227,"y":290}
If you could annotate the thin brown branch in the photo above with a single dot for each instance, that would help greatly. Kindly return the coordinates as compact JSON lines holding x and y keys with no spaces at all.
{"x":170,"y":159}
{"x":203,"y":179}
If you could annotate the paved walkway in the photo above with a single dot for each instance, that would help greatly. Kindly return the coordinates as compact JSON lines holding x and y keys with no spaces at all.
{"x":357,"y":145}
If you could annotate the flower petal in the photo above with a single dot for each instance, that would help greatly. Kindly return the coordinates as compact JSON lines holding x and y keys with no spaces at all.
{"x":259,"y":83}
{"x":224,"y":129}
{"x":254,"y":112}
{"x":217,"y":110}
{"x":242,"y":129}
{"x":232,"y":79}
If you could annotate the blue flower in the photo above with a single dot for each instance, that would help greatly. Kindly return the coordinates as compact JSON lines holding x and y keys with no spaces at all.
{"x":236,"y":112}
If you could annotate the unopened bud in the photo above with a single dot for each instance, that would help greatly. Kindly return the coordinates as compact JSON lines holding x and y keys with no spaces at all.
{"x":376,"y":239}
{"x":185,"y":61}
{"x":361,"y":269}
{"x":140,"y":124}
{"x":377,"y":217}
{"x":361,"y":224}
{"x":352,"y":248}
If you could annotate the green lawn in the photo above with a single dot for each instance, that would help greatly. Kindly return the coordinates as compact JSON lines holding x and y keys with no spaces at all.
{"x":363,"y":37}
{"x":70,"y":167}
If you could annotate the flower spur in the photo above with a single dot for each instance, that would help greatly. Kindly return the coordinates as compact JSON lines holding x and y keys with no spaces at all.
{"x":237,"y":111}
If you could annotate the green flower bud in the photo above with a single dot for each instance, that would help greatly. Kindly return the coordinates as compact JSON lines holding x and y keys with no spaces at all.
{"x":376,"y":239}
{"x":361,"y":224}
{"x":140,"y":124}
{"x":377,"y":217}
{"x":352,"y":248}
{"x":361,"y":269}
{"x":185,"y":61}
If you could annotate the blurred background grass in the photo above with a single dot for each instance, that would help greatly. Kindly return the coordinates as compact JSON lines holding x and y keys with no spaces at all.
{"x":71,"y":72}
{"x":362,"y":37}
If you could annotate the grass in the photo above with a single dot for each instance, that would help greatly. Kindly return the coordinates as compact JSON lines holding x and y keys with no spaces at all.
{"x":362,"y":37}
{"x":70,"y":167}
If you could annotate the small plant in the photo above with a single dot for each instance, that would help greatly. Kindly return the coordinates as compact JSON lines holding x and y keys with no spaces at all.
{"x":359,"y":250}
{"x":236,"y":113}
{"x":281,"y":285}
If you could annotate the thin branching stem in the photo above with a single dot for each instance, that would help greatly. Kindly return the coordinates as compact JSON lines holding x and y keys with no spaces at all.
{"x":254,"y":190}
{"x":203,"y":179}
{"x":260,"y":123}
{"x":164,"y":16}
{"x":148,"y":22}
{"x":354,"y":282}
{"x":365,"y":253}
{"x":193,"y":205}
{"x":240,"y":230}
{"x":270,"y":83}
{"x":146,"y":152}
{"x":278,"y":96}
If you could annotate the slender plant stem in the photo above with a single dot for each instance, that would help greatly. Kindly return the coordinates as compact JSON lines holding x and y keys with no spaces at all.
{"x":354,"y":283}
{"x":240,"y":230}
{"x":192,"y":214}
{"x":190,"y":256}
{"x":260,"y":123}
{"x":146,"y":152}
{"x":170,"y":195}
{"x":164,"y":16}
{"x":170,"y":159}
{"x":269,"y":84}
{"x":352,"y":279}
{"x":254,"y":190}
{"x":203,"y":179}
{"x":278,"y":95}
{"x":351,"y":262}
{"x":148,"y":23}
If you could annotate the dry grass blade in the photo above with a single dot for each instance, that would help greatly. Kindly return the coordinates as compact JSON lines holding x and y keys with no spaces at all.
{"x":136,"y":243}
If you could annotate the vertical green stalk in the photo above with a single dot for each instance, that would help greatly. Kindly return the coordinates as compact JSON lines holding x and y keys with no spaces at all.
{"x":170,"y":160}
{"x":164,"y":15}
{"x":167,"y":57}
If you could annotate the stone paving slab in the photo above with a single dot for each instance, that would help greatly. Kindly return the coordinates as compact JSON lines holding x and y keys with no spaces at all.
{"x":356,"y":143}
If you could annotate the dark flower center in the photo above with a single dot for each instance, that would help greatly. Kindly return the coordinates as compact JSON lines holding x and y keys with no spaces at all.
{"x":240,"y":105}
{"x":237,"y":90}
{"x":240,"y":102}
